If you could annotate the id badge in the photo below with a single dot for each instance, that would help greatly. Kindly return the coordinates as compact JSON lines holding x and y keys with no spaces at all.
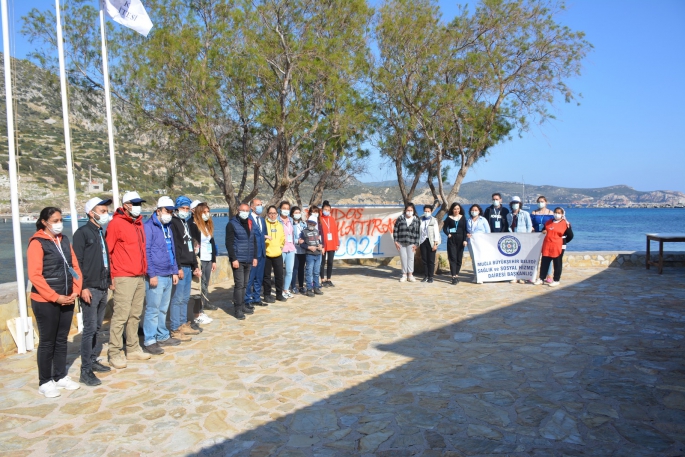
{"x":497,"y":224}
{"x":540,"y":227}
{"x":74,"y":274}
{"x":208,"y":247}
{"x":453,"y":230}
{"x":190,"y":246}
{"x":330,"y":237}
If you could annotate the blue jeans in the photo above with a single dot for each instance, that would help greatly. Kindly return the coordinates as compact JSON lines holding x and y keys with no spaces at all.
{"x":254,"y":284}
{"x":311,"y":271}
{"x":288,"y":264}
{"x":180,"y":294}
{"x":156,"y":307}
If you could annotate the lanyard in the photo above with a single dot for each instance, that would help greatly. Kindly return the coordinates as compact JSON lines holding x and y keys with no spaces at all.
{"x":59,"y":248}
{"x":328,"y":226}
{"x":104,"y":250}
{"x":185,"y":229}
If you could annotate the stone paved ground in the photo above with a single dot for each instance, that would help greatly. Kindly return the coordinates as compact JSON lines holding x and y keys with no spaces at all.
{"x":376,"y":367}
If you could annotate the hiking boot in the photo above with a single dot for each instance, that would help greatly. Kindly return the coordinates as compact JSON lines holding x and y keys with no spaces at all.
{"x":187,"y":329}
{"x":118,"y":361}
{"x":138,"y":355}
{"x":318,"y":292}
{"x":310,"y":293}
{"x":238,"y":312}
{"x":100,"y":368}
{"x":247,"y":310}
{"x":154,"y":349}
{"x":179,"y":335}
{"x":195,"y":326}
{"x":88,"y":378}
{"x":169,"y":342}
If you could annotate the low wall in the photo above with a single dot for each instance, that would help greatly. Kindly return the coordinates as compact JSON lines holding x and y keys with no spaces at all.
{"x":9,"y":307}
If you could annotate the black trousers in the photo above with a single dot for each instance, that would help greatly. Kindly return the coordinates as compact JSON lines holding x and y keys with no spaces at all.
{"x":277,"y":264}
{"x":298,"y":280}
{"x":93,"y":314}
{"x":241,"y":276}
{"x":556,"y":261}
{"x":54,"y":322}
{"x":455,"y":254}
{"x":428,"y":258}
{"x":327,"y":259}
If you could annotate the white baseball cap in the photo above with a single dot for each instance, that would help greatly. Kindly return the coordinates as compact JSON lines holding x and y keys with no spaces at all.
{"x":132,"y":197}
{"x":166,"y":202}
{"x":194,"y":204}
{"x":313,"y":219}
{"x":97,"y":201}
{"x":515,"y":199}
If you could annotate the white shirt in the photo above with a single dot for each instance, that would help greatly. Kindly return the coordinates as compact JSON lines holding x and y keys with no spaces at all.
{"x":424,"y":229}
{"x":205,"y":247}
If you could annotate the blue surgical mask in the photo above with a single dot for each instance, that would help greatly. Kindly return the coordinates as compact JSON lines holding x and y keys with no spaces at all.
{"x":326,"y":213}
{"x":285,"y":212}
{"x":259,"y":209}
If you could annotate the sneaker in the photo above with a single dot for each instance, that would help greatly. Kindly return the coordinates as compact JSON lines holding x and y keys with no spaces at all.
{"x":195,"y":326}
{"x":411,"y":278}
{"x":430,"y":281}
{"x":455,"y":281}
{"x":553,"y":283}
{"x":549,"y":279}
{"x":169,"y":342}
{"x":318,"y":292}
{"x":303,"y":291}
{"x":403,"y":278}
{"x":287,"y":294}
{"x":425,"y":279}
{"x":100,"y":368}
{"x":154,"y":349}
{"x":88,"y":378}
{"x":330,"y":283}
{"x":269,"y":299}
{"x":187,"y":329}
{"x":179,"y":335}
{"x":310,"y":293}
{"x":137,"y":355}
{"x":49,"y":390}
{"x":281,"y":298}
{"x":203,"y":319}
{"x":537,"y":282}
{"x":210,"y":307}
{"x":118,"y":361}
{"x":521,"y":281}
{"x":513,"y":281}
{"x":67,"y":384}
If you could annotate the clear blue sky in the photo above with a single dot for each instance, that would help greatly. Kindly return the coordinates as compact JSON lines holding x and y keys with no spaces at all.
{"x":626,"y":130}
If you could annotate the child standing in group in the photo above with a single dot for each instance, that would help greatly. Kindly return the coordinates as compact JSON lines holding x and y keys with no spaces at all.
{"x":310,"y":239}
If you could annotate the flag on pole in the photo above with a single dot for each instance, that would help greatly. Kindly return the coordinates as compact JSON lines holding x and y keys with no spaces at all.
{"x":129,"y":13}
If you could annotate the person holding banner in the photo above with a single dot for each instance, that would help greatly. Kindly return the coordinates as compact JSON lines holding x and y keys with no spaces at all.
{"x":455,"y":229}
{"x":476,"y":224}
{"x":331,"y":243}
{"x":539,"y":218}
{"x":300,"y":253}
{"x":406,"y":233}
{"x":429,"y":242}
{"x":553,"y":246}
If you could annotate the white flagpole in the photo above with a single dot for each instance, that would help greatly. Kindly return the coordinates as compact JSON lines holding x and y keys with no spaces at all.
{"x":65,"y":115}
{"x":21,"y":323}
{"x":108,"y":105}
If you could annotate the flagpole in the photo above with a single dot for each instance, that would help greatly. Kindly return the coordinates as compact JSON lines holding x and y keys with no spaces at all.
{"x":65,"y":116}
{"x":108,"y":106}
{"x":23,"y":338}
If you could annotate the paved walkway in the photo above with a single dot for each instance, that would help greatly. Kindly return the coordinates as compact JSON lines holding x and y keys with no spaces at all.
{"x":376,"y":367}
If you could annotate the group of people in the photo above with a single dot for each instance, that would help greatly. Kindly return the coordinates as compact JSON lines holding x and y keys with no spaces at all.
{"x":412,"y":232}
{"x":162,"y":266}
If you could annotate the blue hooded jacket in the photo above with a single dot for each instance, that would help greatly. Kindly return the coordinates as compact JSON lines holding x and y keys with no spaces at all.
{"x":158,"y":259}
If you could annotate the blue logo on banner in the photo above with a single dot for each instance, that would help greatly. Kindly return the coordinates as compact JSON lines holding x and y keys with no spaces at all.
{"x":509,"y":245}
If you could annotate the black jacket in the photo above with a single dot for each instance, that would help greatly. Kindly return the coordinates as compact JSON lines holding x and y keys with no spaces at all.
{"x":491,"y":215}
{"x":197,"y":238}
{"x":182,"y":239}
{"x":88,"y":250}
{"x":458,"y":236}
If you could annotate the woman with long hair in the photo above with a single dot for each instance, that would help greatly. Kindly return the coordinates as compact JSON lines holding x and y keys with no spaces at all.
{"x":406,"y":233}
{"x":300,"y":253}
{"x":202,"y":232}
{"x":557,"y":233}
{"x":329,"y":234}
{"x":455,"y":229}
{"x":475,"y":224}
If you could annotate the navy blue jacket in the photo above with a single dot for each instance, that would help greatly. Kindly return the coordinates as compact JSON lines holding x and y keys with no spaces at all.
{"x":259,"y":227}
{"x":241,"y":242}
{"x":158,"y":260}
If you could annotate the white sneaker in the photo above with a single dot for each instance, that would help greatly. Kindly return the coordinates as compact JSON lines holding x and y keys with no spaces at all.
{"x":49,"y":390}
{"x":403,"y":278}
{"x":287,"y":294}
{"x":553,"y":283}
{"x":513,"y":281}
{"x":203,"y":319}
{"x":537,"y":282}
{"x":67,"y":384}
{"x":411,"y":278}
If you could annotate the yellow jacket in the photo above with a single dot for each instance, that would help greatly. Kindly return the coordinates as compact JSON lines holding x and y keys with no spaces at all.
{"x":274,"y":246}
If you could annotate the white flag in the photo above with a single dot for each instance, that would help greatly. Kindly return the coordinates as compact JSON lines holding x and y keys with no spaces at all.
{"x":129,"y":13}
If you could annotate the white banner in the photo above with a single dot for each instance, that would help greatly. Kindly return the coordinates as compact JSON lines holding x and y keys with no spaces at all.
{"x":365,"y":232}
{"x":129,"y":13}
{"x":506,"y":256}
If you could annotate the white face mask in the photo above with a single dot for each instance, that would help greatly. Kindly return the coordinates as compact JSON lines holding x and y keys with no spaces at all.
{"x":496,"y":203}
{"x":427,"y":214}
{"x":135,"y":211}
{"x":103,"y":219}
{"x":165,"y":218}
{"x":244,"y":214}
{"x":183,"y":214}
{"x":297,"y":216}
{"x":474,"y":213}
{"x":57,"y":228}
{"x":285,"y":212}
{"x":205,"y":217}
{"x":409,"y":213}
{"x":515,"y":206}
{"x":557,"y":216}
{"x":542,"y":204}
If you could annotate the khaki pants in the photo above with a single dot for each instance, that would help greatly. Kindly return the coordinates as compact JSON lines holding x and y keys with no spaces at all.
{"x":128,"y":297}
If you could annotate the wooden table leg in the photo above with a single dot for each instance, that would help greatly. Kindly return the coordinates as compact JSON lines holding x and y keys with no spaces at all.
{"x":661,"y":257}
{"x":649,"y":257}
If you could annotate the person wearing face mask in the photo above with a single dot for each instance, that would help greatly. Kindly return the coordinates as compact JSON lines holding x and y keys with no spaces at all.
{"x":254,"y":283}
{"x":518,"y":221}
{"x":310,"y":241}
{"x":331,"y":243}
{"x":429,"y":242}
{"x":126,"y":243}
{"x":241,"y":244}
{"x":162,"y":275}
{"x":557,"y":233}
{"x":202,"y":231}
{"x":288,"y":247}
{"x":406,"y":233}
{"x":56,"y":281}
{"x":496,"y":215}
{"x":275,"y":240}
{"x":475,"y":224}
{"x":180,"y":327}
{"x":300,"y":252}
{"x":92,"y":254}
{"x":455,"y":229}
{"x":539,"y":218}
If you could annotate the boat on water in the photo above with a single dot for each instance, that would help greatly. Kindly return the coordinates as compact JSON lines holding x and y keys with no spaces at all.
{"x":28,"y":219}
{"x":67,"y":218}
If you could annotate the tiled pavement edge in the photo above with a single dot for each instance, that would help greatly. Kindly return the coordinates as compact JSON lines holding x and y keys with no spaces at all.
{"x":375,"y":367}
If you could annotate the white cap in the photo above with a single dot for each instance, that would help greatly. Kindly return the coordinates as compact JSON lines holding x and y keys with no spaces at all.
{"x":132,"y":197}
{"x":313,"y":219}
{"x":166,"y":202}
{"x":515,"y":199}
{"x":194,"y":204}
{"x":96,"y":201}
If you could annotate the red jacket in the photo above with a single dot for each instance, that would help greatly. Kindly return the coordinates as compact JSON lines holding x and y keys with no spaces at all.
{"x":126,"y":243}
{"x":554,"y":239}
{"x":327,"y":225}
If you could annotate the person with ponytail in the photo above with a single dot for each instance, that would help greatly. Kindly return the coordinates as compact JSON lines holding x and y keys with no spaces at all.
{"x":557,"y":233}
{"x":55,"y":277}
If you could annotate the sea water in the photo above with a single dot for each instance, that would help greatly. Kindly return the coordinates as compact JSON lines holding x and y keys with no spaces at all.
{"x":594,"y":229}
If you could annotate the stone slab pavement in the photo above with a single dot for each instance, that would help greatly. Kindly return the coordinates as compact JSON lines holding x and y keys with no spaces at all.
{"x":595,"y":367}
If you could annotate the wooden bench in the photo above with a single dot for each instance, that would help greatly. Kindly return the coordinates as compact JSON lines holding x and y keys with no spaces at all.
{"x":661,"y":238}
